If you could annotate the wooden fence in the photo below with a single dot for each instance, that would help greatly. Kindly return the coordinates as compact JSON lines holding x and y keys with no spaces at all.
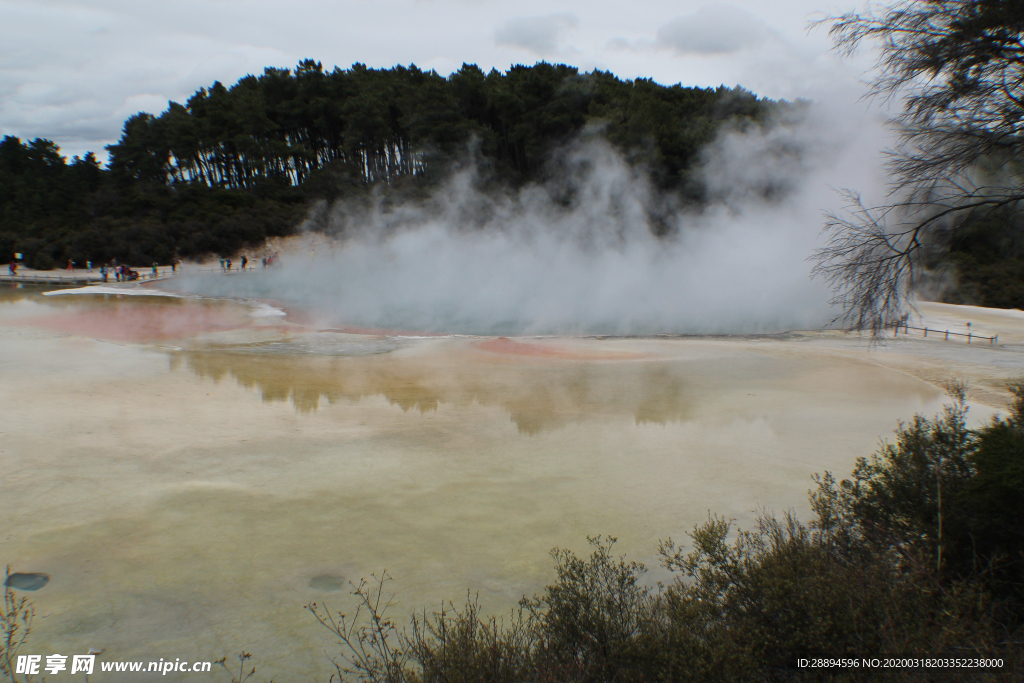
{"x":970,"y":335}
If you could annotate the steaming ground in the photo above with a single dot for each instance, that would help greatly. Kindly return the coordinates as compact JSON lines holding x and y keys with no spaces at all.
{"x":488,"y":283}
{"x":579,"y":255}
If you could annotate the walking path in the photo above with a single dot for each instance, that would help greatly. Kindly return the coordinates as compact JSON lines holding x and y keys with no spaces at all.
{"x":52,"y":277}
{"x":81,"y":276}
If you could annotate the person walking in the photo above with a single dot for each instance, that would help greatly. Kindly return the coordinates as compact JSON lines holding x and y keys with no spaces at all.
{"x":71,"y":266}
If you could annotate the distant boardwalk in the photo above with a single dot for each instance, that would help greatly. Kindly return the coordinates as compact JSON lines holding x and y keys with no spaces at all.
{"x":57,"y":279}
{"x":93,"y":277}
{"x":77,"y":277}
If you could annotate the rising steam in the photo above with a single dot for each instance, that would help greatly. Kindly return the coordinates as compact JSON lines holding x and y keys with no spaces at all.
{"x":579,"y":254}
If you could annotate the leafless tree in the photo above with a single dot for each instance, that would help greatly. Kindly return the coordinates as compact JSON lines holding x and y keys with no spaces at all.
{"x":956,"y":68}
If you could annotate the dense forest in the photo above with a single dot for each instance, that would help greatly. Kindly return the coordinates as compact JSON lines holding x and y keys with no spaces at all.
{"x":232,"y":166}
{"x":982,"y":262}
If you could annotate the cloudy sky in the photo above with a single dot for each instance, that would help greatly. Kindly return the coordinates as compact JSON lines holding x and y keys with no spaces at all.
{"x":74,"y":70}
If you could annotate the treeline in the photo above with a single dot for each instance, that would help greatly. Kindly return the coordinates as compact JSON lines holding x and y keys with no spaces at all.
{"x":52,"y":211}
{"x":918,"y":555}
{"x":382,"y":124}
{"x":234,"y":165}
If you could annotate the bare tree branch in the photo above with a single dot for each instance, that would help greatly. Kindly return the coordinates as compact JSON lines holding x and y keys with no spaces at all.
{"x":957,"y":68}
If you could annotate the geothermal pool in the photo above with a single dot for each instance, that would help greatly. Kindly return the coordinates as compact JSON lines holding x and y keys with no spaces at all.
{"x":191,"y":472}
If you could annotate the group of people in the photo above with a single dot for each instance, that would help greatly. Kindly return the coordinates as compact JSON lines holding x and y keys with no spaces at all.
{"x":226,"y":263}
{"x":122,"y":273}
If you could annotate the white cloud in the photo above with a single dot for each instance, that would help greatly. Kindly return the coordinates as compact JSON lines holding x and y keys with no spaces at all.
{"x":714,"y":29}
{"x":539,"y":35}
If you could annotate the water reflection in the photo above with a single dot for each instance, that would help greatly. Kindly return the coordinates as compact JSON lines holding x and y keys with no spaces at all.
{"x":537,"y":395}
{"x":11,"y":293}
{"x":122,"y":318}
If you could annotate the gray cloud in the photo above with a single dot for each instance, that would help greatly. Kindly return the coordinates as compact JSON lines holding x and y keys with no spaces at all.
{"x":713,"y":29}
{"x":538,"y":35}
{"x":74,"y":70}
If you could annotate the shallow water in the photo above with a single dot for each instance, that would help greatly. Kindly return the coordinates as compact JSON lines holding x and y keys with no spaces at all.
{"x":188,"y":494}
{"x":26,"y":582}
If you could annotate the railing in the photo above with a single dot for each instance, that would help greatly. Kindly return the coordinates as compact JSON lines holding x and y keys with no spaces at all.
{"x":970,"y":335}
{"x":234,"y":269}
{"x":96,"y":279}
{"x":50,"y":279}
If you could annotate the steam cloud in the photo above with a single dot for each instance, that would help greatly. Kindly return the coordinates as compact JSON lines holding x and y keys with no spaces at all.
{"x":579,"y":255}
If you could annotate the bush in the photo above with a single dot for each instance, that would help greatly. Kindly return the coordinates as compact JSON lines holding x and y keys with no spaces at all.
{"x":42,"y":261}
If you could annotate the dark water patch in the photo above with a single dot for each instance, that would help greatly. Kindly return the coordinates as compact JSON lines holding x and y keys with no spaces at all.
{"x":326,"y":582}
{"x":26,"y":582}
